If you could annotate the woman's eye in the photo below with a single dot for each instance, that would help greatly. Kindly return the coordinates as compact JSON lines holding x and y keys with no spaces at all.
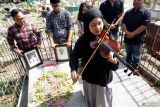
{"x":93,"y":25}
{"x":99,"y":23}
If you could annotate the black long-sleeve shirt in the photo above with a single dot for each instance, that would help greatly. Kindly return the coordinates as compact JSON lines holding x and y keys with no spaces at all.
{"x":99,"y":70}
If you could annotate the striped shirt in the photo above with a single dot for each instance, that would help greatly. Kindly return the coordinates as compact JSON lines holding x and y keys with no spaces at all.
{"x":26,"y":37}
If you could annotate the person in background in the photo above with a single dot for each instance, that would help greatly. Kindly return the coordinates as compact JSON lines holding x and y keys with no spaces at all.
{"x":98,"y":73}
{"x":22,"y":37}
{"x":112,"y":10}
{"x":26,"y":35}
{"x":58,"y":25}
{"x":82,"y":9}
{"x":134,"y":25}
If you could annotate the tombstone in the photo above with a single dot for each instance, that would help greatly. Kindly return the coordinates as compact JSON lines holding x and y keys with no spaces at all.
{"x":16,"y":1}
{"x":44,"y":2}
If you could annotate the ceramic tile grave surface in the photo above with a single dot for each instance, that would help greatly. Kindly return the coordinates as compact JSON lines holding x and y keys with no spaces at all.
{"x":128,"y":91}
{"x":76,"y":100}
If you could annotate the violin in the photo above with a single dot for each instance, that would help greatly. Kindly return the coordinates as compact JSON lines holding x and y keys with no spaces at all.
{"x":111,"y":42}
{"x":108,"y":44}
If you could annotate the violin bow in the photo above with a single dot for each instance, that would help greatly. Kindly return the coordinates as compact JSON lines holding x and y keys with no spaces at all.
{"x":99,"y":43}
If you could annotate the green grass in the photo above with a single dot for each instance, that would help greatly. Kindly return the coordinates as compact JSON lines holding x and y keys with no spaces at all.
{"x":7,"y":87}
{"x":157,"y":83}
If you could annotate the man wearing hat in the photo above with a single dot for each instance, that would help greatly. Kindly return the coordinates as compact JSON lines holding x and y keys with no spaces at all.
{"x":58,"y":25}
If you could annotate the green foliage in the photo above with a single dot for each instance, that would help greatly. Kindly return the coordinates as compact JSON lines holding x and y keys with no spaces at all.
{"x":157,"y":83}
{"x":43,"y":105}
{"x":39,"y":97}
{"x":59,"y":84}
{"x":66,"y":95}
{"x":34,"y":8}
{"x":7,"y":87}
{"x":60,"y":75}
{"x":6,"y":103}
{"x":148,"y":2}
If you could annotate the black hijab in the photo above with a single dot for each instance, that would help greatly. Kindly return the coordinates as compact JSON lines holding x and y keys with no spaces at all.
{"x":89,"y":15}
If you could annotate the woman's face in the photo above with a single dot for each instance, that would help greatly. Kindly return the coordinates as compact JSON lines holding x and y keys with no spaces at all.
{"x":96,"y":26}
{"x":84,"y":9}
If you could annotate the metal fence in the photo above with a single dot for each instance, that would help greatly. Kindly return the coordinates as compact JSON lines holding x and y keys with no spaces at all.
{"x":11,"y":75}
{"x":151,"y":51}
{"x":12,"y":69}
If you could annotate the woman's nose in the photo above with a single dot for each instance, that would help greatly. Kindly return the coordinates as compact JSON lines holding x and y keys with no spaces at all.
{"x":98,"y":27}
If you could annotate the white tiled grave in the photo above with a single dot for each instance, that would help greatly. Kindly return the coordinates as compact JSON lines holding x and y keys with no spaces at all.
{"x":76,"y":100}
{"x":128,"y":91}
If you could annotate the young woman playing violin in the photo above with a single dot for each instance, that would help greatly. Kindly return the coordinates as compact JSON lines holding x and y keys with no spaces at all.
{"x":98,"y":72}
